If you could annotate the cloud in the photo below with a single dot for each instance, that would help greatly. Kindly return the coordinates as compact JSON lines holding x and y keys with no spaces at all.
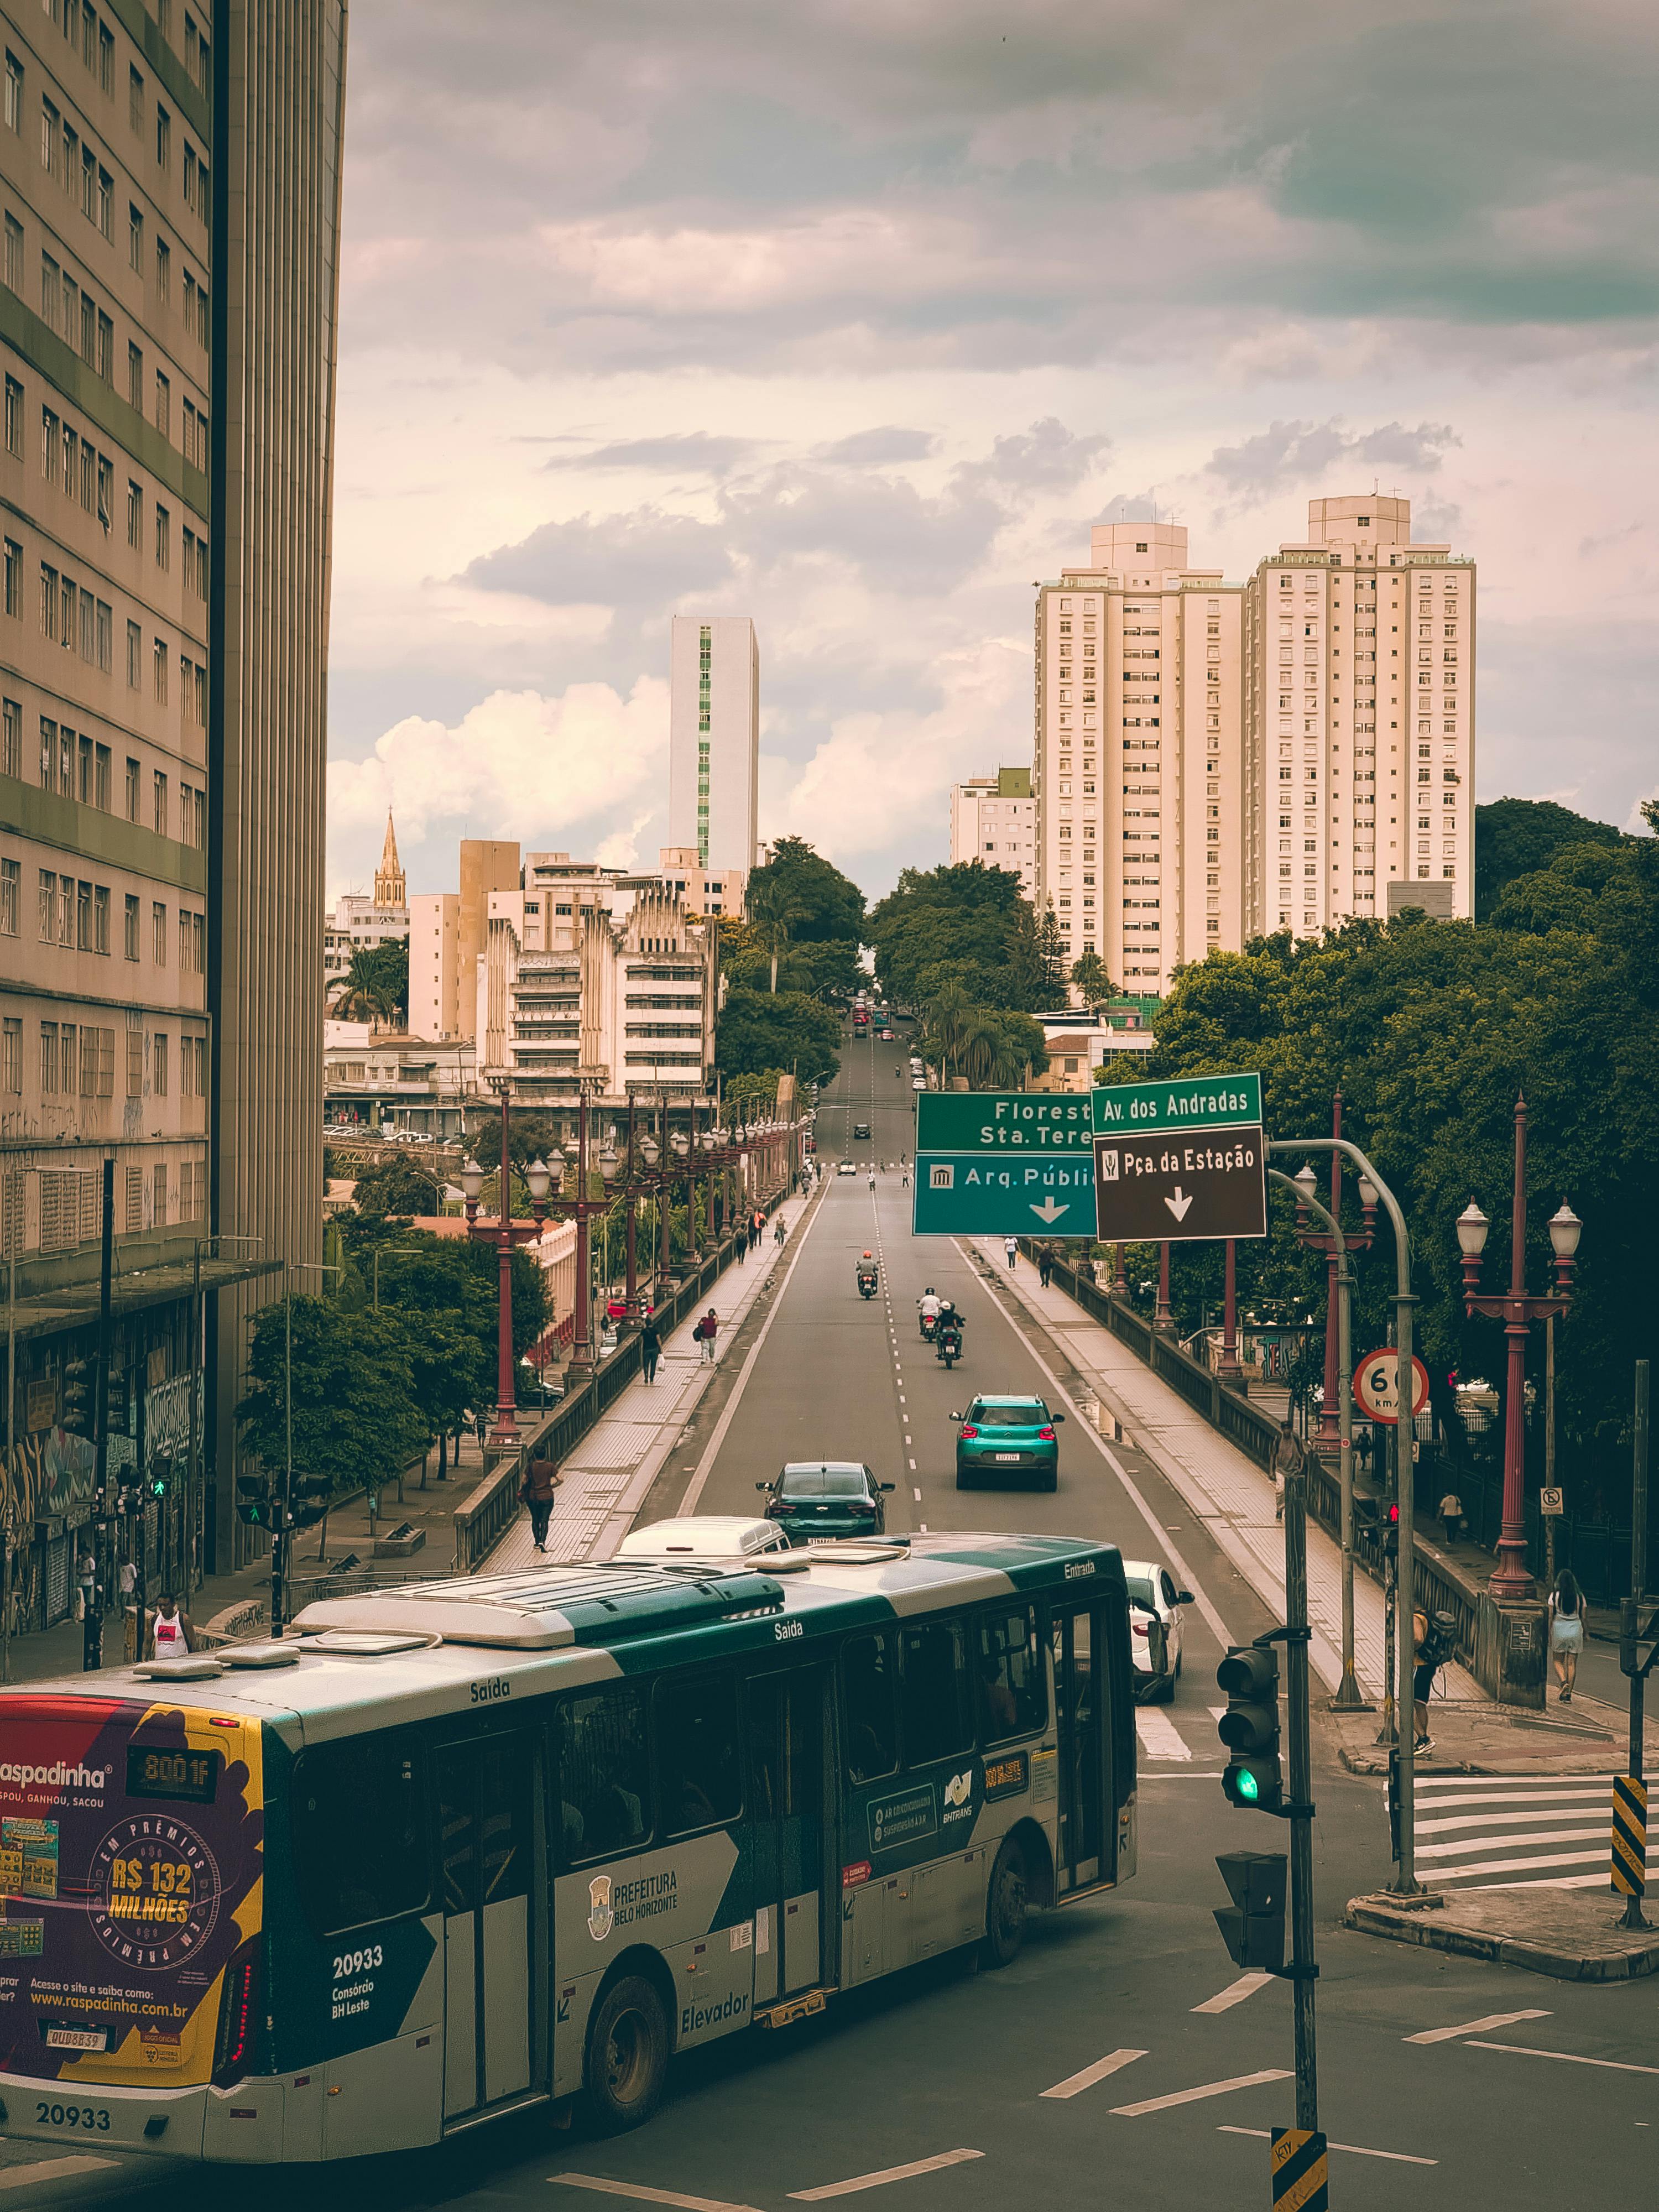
{"x":695,"y":454}
{"x":879,"y":448}
{"x":639,"y":559}
{"x":1046,"y":458}
{"x":1291,"y":452}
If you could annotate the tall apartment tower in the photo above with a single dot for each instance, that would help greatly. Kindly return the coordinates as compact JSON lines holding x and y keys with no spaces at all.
{"x":993,"y":820}
{"x":1139,"y":758}
{"x":714,"y":740}
{"x":170,"y":184}
{"x":1359,"y":753}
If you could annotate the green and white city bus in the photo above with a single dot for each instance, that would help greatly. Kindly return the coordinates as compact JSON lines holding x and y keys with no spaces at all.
{"x":465,"y":1846}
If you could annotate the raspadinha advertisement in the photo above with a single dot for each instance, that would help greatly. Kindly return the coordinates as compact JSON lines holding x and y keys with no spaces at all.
{"x":130,"y":1875}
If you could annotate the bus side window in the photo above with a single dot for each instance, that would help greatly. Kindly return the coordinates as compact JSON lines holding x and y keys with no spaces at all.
{"x":602,"y":1773}
{"x":1013,"y":1698}
{"x":359,"y":1837}
{"x":867,"y":1689}
{"x":933,"y":1699}
{"x":697,"y":1752}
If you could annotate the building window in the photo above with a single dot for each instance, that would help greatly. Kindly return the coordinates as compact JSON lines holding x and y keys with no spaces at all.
{"x":134,"y":660}
{"x":163,"y":538}
{"x":11,"y":894}
{"x":101,"y":918}
{"x":159,"y":816}
{"x":163,"y":137}
{"x":48,"y":1060}
{"x":14,"y":255}
{"x":129,"y":930}
{"x":14,"y":417}
{"x":135,"y":380}
{"x":12,"y":730}
{"x":163,"y":406}
{"x":11,"y":1064}
{"x":135,"y":239}
{"x":159,"y":681}
{"x":14,"y":577}
{"x":158,"y":1064}
{"x":134,"y":99}
{"x":158,"y":922}
{"x":14,"y":92}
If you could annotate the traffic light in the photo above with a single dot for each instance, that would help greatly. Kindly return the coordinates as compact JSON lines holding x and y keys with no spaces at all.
{"x":254,"y":1503}
{"x":1253,"y":1927}
{"x":1249,"y":1727}
{"x":160,"y":1478}
{"x":78,"y":1396}
{"x":1392,"y":1799}
{"x":308,"y":1499}
{"x":1391,"y":1533}
{"x":115,"y":1405}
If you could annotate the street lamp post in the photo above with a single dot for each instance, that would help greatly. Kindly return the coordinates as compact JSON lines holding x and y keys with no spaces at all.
{"x":1327,"y":1440}
{"x":1228,"y":1369}
{"x":1164,"y":1313}
{"x":504,"y":1233}
{"x":1509,"y":1578}
{"x":580,"y":1209}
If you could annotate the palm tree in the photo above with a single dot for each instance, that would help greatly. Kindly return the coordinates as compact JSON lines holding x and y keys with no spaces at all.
{"x":359,"y":996}
{"x":773,"y":909}
{"x":948,"y":1016}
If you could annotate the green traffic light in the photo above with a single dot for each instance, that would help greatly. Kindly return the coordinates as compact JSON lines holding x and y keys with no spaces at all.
{"x":1247,"y":1785}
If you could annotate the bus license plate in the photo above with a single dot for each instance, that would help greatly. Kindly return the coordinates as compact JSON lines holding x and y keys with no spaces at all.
{"x":77,"y":2038}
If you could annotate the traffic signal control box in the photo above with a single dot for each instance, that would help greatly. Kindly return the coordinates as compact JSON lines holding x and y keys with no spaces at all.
{"x":1253,"y":1927}
{"x":1249,"y":1727}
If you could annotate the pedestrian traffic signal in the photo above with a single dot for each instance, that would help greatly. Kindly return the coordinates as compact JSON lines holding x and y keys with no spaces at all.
{"x":1253,"y":1927}
{"x":254,"y":1504}
{"x":1249,"y":1727}
{"x":78,"y":1396}
{"x":115,"y":1405}
{"x":308,"y":1498}
{"x":160,"y":1476}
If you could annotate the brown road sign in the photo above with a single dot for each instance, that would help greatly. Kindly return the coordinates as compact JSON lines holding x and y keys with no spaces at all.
{"x":1181,"y":1187}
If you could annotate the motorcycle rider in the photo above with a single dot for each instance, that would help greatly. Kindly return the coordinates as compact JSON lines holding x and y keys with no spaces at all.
{"x":928,"y":1305}
{"x":865,"y":1271}
{"x":949,"y":1340}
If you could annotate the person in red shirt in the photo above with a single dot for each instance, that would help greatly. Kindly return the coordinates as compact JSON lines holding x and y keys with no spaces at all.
{"x":708,"y":1325}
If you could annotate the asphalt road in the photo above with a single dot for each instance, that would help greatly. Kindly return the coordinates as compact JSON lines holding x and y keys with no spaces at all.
{"x":1559,"y":2110}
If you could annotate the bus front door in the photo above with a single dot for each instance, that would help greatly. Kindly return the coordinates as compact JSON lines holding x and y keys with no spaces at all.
{"x":488,"y":1847}
{"x":1081,"y":1707}
{"x":785,"y":1829}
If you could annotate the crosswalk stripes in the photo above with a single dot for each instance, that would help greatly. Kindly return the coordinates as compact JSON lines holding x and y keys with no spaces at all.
{"x":1164,"y":1744}
{"x":1515,"y":1830}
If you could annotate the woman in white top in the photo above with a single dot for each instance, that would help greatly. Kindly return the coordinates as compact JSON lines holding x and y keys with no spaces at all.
{"x":1566,"y":1631}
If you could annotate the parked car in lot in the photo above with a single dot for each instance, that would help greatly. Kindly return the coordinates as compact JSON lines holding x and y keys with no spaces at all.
{"x":1007,"y":1440}
{"x":815,"y":1500}
{"x":1155,"y":1618}
{"x":703,"y":1536}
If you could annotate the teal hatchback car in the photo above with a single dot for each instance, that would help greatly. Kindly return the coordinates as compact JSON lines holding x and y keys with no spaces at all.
{"x":1007,"y":1440}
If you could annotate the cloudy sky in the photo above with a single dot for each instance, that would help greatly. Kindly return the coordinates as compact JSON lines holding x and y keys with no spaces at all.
{"x":852,"y":315}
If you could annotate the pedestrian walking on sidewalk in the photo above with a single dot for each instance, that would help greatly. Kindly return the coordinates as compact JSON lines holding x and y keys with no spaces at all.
{"x":705,"y":1332}
{"x":1431,"y":1646}
{"x":1289,"y":1456}
{"x":756,"y":1223}
{"x":1010,"y":1246}
{"x":172,"y":1631}
{"x":541,"y":1479}
{"x":1451,"y":1515}
{"x":650,"y":1347}
{"x":1045,"y":1265}
{"x":779,"y":1233}
{"x":745,"y":1237}
{"x":1566,"y":1631}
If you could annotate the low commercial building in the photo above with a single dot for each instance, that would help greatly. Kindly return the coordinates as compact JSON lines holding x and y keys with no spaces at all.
{"x":388,"y":1079}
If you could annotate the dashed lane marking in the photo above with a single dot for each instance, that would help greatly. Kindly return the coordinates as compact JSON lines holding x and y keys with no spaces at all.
{"x":1235,"y":1993}
{"x":1204,"y":2089}
{"x":641,"y":2195}
{"x":1472,"y":2026}
{"x":888,"y":2174}
{"x":1572,"y":2057}
{"x":50,"y":2169}
{"x":916,"y":1494}
{"x":1113,"y":2063}
{"x":1354,"y":2150}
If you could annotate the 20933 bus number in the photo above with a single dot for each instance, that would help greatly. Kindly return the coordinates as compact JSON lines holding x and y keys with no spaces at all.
{"x":357,"y":1962}
{"x":96,"y":2118}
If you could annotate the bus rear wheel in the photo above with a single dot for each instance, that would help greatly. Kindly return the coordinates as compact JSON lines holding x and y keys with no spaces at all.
{"x":627,"y":2056}
{"x":1005,"y":1908}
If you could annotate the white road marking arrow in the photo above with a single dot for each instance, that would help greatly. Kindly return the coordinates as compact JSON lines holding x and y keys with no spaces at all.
{"x":1050,"y":1212}
{"x":1179,"y":1204}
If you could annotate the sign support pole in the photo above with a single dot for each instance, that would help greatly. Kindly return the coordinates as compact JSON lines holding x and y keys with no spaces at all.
{"x":1639,"y":1563}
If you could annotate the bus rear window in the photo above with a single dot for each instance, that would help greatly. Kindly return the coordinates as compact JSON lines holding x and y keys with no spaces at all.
{"x":359,"y":1839}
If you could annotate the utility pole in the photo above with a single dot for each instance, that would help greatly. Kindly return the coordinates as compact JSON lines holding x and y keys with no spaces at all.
{"x":92,"y":1636}
{"x":1302,"y":1971}
{"x":1629,"y":1802}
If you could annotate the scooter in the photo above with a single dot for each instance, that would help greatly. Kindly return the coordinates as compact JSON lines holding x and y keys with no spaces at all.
{"x":929,"y":1328}
{"x":949,"y":1347}
{"x":867,"y":1285}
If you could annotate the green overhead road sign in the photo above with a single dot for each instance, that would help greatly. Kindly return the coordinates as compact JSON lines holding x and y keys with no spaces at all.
{"x":1193,"y":1102}
{"x":971,"y":1195}
{"x":1003,"y":1122}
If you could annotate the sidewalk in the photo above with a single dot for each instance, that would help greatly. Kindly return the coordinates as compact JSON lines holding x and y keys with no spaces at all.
{"x":1228,"y":1493}
{"x":610,"y":1471}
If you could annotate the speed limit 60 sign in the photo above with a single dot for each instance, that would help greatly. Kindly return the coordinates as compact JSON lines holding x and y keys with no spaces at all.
{"x":1377,"y":1385}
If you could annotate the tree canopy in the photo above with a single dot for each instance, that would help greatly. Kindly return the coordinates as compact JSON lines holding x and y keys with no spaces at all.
{"x":396,"y":1185}
{"x":765,"y":1031}
{"x":376,"y":987}
{"x":1514,"y":837}
{"x":970,"y":926}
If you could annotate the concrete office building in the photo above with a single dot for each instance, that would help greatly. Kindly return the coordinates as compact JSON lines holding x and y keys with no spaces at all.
{"x":1210,"y":756}
{"x":446,"y":936}
{"x":993,"y":820}
{"x":170,"y":184}
{"x":714,"y":740}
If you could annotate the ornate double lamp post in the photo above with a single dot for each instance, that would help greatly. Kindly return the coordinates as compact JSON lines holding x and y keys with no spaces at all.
{"x":1509,"y":1577}
{"x":504,"y":1233}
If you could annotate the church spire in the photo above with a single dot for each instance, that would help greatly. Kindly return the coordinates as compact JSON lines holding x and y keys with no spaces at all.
{"x":391,"y":885}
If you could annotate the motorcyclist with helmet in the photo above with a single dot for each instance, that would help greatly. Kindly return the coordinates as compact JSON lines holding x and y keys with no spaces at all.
{"x":929,"y":1306}
{"x":866,"y":1275}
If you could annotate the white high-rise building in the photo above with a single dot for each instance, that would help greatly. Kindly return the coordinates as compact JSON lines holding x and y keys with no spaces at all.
{"x":993,"y":820}
{"x":1210,"y":757}
{"x":1360,"y":746}
{"x":714,"y":740}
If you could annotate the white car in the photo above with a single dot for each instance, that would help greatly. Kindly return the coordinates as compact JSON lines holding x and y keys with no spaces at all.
{"x":918,"y":1083}
{"x":1155,"y":1618}
{"x":847,"y":1167}
{"x":702,"y":1536}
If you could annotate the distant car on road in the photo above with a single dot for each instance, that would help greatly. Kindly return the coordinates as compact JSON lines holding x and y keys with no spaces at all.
{"x":861,"y":1129}
{"x":1155,"y":1618}
{"x":703,"y":1536}
{"x":1007,"y":1440}
{"x":846,"y":1167}
{"x":918,"y":1083}
{"x":815,"y":1500}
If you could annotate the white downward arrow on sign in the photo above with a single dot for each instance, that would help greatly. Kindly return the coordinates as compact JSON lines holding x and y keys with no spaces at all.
{"x":1178,"y":1205}
{"x":1049,"y":1212}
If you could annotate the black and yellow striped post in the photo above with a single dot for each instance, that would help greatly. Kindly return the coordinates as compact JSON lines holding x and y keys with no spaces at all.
{"x":1299,"y":2168}
{"x":1630,"y":1835}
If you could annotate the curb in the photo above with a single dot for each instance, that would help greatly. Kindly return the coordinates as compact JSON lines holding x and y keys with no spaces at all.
{"x":1377,"y":1763}
{"x":1432,"y":1931}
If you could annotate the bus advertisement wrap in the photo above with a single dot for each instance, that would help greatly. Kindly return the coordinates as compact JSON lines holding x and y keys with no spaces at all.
{"x":130,"y":1874}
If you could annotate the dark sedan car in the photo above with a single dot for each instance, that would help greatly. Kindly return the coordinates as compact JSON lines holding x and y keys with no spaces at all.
{"x":815,"y":1500}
